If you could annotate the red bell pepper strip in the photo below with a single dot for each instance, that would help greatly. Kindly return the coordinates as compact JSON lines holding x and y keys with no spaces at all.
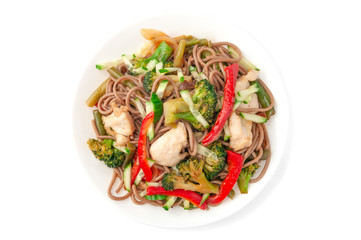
{"x":142,"y":156}
{"x":191,"y":196}
{"x":135,"y":169}
{"x":227,"y":107}
{"x":235,"y":162}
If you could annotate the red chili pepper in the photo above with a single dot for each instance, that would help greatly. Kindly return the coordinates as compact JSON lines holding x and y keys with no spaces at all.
{"x":142,"y":156}
{"x":235,"y":162}
{"x":228,"y":102}
{"x":191,"y":196}
{"x":135,"y":169}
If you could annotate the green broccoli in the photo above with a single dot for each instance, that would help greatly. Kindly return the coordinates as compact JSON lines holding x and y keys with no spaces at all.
{"x":245,"y":176}
{"x":191,"y":170}
{"x":174,"y":180}
{"x":104,"y":151}
{"x":213,"y":167}
{"x":148,"y":81}
{"x":205,"y":99}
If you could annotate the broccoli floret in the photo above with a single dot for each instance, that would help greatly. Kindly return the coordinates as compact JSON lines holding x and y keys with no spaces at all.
{"x":168,"y":64}
{"x":191,"y":170}
{"x":174,"y":180}
{"x":245,"y":176}
{"x":148,"y":81}
{"x":213,"y":167}
{"x":205,"y":99}
{"x":104,"y":151}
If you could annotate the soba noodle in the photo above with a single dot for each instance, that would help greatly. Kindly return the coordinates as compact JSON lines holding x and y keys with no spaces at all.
{"x":212,"y":66}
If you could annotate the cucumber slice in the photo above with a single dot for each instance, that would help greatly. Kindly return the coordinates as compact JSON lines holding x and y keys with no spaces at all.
{"x":141,"y":173}
{"x":202,"y":150}
{"x":244,"y":94}
{"x":204,"y":198}
{"x":253,"y":117}
{"x":186,"y":204}
{"x":157,"y":107}
{"x":188,"y":99}
{"x":105,"y":65}
{"x":141,"y":70}
{"x":155,"y":197}
{"x":180,"y":75}
{"x":148,"y":109}
{"x":158,"y":66}
{"x":171,"y":200}
{"x":172,"y":69}
{"x":127,"y":177}
{"x":194,"y":73}
{"x":161,"y":88}
{"x":151,"y":65}
{"x":140,"y":107}
{"x":227,"y":132}
{"x":203,"y":76}
{"x":127,"y":62}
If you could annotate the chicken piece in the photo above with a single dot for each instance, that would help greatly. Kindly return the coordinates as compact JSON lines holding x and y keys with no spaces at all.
{"x":119,"y":124}
{"x":251,"y":75}
{"x":242,"y":84}
{"x":166,"y":149}
{"x":241,"y":132}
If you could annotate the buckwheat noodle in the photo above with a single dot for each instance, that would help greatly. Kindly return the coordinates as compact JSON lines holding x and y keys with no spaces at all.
{"x":217,"y":58}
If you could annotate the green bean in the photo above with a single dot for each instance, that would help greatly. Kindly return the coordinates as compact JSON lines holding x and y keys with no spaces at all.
{"x":97,"y":94}
{"x":190,"y":40}
{"x":204,"y":42}
{"x":264,"y":99}
{"x":178,"y":59}
{"x":99,"y":122}
{"x":115,"y":73}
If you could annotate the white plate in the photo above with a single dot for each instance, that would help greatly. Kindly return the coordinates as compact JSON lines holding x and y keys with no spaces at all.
{"x":127,"y":41}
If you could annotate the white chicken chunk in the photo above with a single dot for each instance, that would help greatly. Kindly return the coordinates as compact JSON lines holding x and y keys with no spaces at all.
{"x":119,"y":124}
{"x":166,"y":149}
{"x":241,"y":132}
{"x":242,"y":84}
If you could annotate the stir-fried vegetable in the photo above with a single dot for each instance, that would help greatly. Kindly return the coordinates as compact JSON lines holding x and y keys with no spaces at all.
{"x":178,"y":59}
{"x":97,"y":94}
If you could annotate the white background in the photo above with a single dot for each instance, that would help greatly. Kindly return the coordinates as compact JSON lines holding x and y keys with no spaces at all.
{"x":44,"y":49}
